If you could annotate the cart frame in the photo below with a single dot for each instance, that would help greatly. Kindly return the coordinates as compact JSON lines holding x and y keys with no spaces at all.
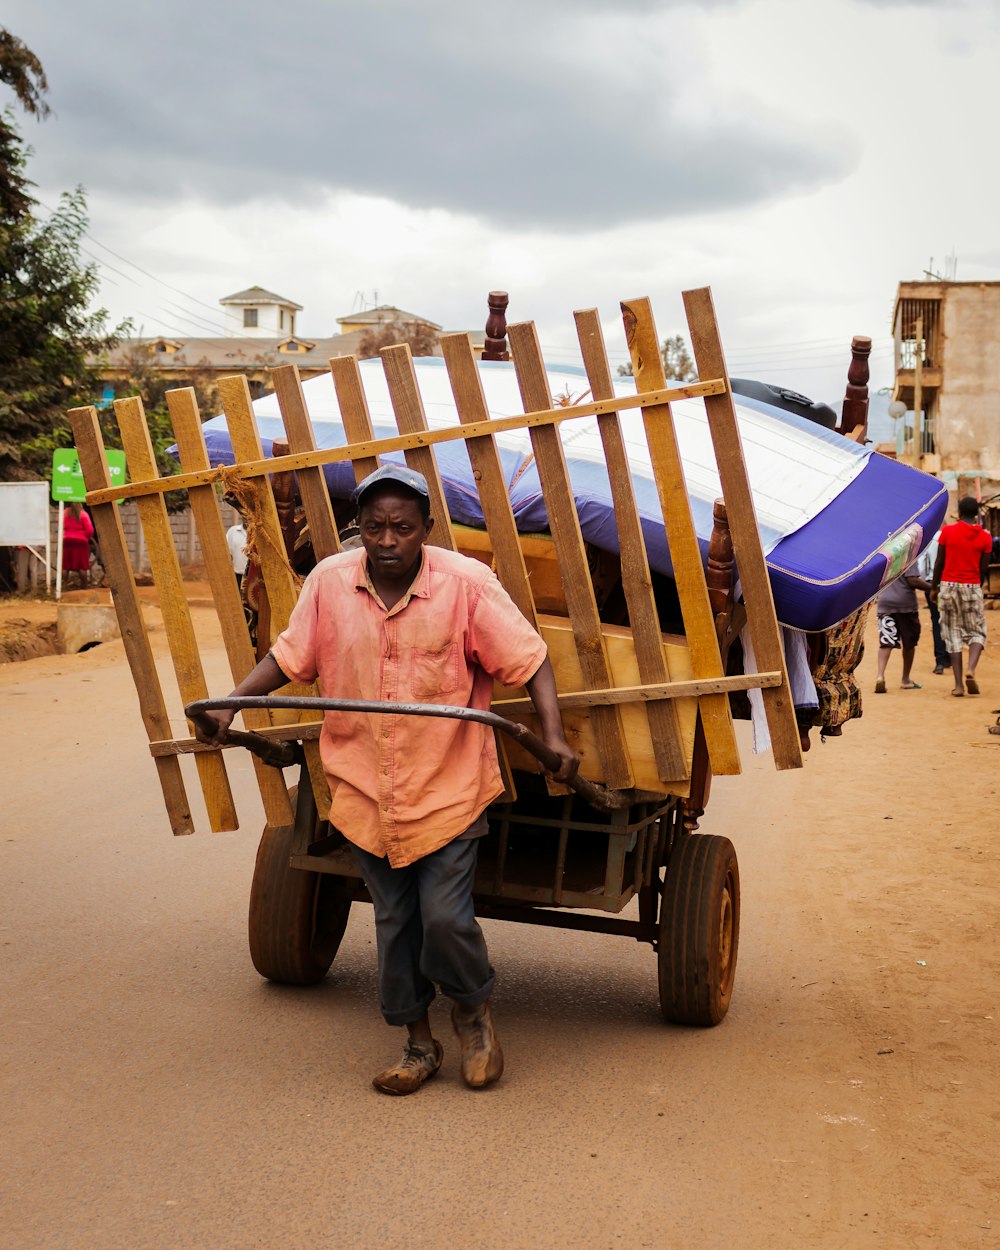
{"x":672,"y":707}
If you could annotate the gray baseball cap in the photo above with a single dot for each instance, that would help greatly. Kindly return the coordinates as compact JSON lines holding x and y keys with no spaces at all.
{"x":398,"y":473}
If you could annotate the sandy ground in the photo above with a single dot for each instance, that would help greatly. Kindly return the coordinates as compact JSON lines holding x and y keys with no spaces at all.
{"x":158,"y":1094}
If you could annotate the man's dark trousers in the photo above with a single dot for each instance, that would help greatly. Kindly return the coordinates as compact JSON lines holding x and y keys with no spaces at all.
{"x":427,"y":932}
{"x":941,"y":657}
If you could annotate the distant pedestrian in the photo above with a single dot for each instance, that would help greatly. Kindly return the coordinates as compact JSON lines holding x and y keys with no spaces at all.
{"x":960,"y":569}
{"x":942,"y":659}
{"x":78,"y":532}
{"x":236,"y":539}
{"x":899,"y":625}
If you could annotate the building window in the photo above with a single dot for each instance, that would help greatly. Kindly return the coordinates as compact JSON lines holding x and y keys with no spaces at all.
{"x":161,"y":346}
{"x":281,"y":320}
{"x":250,"y":318}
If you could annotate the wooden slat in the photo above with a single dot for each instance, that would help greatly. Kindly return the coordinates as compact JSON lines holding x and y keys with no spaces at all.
{"x":354,"y":413}
{"x":282,"y":591}
{"x":470,"y":402}
{"x":273,"y":733}
{"x":645,"y":694}
{"x":370,"y":447}
{"x":750,"y":562}
{"x":408,"y":408}
{"x":565,"y":526}
{"x":411,"y":419}
{"x":186,"y":421}
{"x":117,"y":567}
{"x":312,"y":484}
{"x":637,"y":582}
{"x":173,"y":602}
{"x":508,"y":556}
{"x":685,"y":554}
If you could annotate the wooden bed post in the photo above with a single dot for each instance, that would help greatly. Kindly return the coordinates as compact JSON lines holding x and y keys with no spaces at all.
{"x":719,"y":576}
{"x":854,"y":414}
{"x":495,"y":347}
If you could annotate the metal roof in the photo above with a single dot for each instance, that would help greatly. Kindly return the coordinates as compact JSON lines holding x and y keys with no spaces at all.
{"x":258,"y":295}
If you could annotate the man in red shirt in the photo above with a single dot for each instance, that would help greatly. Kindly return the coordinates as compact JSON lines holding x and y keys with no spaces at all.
{"x":956,"y":585}
{"x":398,"y":621}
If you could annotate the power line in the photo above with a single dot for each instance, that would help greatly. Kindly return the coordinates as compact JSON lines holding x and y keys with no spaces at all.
{"x":145,"y":272}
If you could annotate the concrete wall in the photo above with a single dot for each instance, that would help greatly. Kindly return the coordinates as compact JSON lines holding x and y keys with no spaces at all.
{"x":968,"y":418}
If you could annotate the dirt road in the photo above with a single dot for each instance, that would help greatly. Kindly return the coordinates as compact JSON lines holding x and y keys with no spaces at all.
{"x":158,"y":1095}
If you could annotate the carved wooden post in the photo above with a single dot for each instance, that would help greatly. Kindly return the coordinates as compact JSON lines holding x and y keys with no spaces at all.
{"x":719,"y":578}
{"x":719,"y":574}
{"x":283,"y":485}
{"x":495,"y":347}
{"x":854,"y":415}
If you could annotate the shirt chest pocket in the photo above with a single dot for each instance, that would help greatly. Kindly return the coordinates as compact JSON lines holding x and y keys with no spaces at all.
{"x":435,"y":671}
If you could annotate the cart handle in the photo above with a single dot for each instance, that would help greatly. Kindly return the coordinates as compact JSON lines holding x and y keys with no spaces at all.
{"x":281,"y":754}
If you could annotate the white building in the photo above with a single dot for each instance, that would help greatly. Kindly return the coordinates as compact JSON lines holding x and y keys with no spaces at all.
{"x":263,"y":314}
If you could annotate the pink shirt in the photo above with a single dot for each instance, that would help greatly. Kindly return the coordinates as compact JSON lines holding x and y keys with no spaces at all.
{"x":77,"y":529}
{"x":404,"y":786}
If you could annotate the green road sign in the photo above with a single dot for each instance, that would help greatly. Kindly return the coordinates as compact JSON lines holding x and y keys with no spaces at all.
{"x":67,"y":479}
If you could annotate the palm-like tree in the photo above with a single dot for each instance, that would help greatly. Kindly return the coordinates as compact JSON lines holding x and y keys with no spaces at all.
{"x":22,"y":71}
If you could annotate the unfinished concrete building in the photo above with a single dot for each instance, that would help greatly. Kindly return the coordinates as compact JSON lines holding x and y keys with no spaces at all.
{"x":947,"y":337}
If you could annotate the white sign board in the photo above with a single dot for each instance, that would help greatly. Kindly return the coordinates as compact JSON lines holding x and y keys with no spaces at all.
{"x":24,"y":514}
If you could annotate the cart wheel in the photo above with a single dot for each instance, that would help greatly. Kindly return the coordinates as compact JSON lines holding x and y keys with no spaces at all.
{"x":297,"y":918}
{"x":699,"y":930}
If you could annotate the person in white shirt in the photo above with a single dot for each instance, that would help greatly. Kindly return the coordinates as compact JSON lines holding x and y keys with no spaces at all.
{"x":236,"y":540}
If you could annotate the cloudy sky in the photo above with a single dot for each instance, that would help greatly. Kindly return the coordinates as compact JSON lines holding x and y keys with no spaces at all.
{"x":798,"y":156}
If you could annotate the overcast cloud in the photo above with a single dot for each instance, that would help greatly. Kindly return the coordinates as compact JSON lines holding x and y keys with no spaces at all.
{"x":573,"y":152}
{"x":517,"y":113}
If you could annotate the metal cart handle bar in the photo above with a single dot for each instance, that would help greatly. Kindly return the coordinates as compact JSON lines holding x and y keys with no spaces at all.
{"x":281,"y":754}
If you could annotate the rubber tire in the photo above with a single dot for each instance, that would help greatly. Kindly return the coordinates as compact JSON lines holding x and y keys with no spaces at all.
{"x":699,"y":930}
{"x":297,"y":918}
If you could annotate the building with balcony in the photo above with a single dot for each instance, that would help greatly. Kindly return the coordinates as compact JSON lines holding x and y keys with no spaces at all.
{"x":947,"y":376}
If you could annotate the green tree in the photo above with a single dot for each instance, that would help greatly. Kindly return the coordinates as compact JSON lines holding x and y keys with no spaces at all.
{"x":677,"y":363}
{"x":47,"y":330}
{"x":46,"y":334}
{"x":22,"y":71}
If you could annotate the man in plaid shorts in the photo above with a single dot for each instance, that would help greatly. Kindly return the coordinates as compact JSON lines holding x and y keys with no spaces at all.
{"x":959,"y":572}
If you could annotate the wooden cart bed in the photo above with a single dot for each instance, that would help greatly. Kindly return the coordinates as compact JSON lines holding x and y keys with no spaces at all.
{"x":634,"y":701}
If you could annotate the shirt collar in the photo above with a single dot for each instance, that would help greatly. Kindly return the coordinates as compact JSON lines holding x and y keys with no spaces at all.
{"x":420,"y":587}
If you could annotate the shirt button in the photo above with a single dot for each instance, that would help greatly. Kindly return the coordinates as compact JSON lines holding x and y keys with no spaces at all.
{"x":385,"y":733}
{"x":385,"y":807}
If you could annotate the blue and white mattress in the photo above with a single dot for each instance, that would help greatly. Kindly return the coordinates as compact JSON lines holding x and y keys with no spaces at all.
{"x":836,"y":520}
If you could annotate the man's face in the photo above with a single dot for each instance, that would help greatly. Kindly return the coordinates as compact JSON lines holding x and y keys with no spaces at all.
{"x":392,"y":532}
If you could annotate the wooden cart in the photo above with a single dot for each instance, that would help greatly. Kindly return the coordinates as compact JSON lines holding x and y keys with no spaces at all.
{"x":649,"y":713}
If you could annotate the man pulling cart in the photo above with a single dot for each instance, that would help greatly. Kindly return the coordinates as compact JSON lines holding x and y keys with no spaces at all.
{"x":393,"y":621}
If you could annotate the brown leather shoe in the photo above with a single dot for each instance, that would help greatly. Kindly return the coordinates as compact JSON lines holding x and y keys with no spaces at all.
{"x":482,"y":1058}
{"x":418,"y":1064}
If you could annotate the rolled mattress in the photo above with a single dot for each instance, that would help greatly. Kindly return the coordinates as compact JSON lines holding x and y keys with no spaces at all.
{"x":836,"y":520}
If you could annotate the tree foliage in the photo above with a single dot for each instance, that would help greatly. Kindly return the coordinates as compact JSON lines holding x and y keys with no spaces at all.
{"x":22,"y":71}
{"x":677,"y":362}
{"x":46,"y":333}
{"x":421,"y":337}
{"x":47,"y":328}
